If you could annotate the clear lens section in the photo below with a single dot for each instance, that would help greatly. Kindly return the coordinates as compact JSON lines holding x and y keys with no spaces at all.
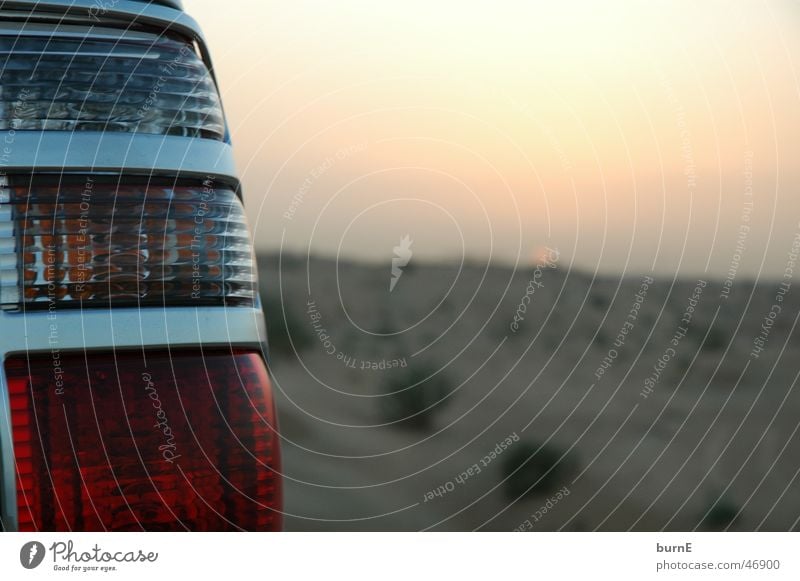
{"x":135,"y":83}
{"x":100,"y":243}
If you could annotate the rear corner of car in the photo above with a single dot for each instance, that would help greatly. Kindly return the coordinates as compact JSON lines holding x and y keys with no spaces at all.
{"x":134,"y":391}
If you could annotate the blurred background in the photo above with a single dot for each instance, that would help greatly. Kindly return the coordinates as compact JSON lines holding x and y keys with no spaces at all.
{"x":525,"y":266}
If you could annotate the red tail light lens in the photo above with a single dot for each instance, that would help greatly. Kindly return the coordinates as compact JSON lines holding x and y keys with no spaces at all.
{"x":155,"y":441}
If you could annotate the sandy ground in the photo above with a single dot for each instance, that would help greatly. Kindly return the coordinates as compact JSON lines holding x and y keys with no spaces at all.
{"x":717,"y":426}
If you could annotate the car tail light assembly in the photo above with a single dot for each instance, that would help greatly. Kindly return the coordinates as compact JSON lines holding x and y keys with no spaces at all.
{"x":118,"y":191}
{"x":133,"y":82}
{"x":151,"y":441}
{"x":96,"y":241}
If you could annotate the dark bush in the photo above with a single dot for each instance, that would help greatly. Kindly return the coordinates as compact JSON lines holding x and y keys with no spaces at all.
{"x":715,"y":341}
{"x":530,"y":469}
{"x":601,"y":339}
{"x":414,"y":395}
{"x":599,"y":300}
{"x":723,"y":514}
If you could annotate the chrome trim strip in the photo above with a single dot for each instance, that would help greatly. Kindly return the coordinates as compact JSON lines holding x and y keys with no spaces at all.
{"x":71,"y":31}
{"x":148,"y":328}
{"x":64,"y":151}
{"x":143,"y":12}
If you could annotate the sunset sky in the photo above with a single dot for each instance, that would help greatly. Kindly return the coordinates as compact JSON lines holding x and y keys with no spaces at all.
{"x":622,"y":133}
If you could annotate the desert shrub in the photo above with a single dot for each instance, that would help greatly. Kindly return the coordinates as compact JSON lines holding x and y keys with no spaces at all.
{"x":414,"y":395}
{"x":599,"y":300}
{"x":715,"y":341}
{"x":721,"y":515}
{"x":530,"y":469}
{"x":601,"y":340}
{"x":522,"y":330}
{"x":448,"y":307}
{"x":681,"y":365}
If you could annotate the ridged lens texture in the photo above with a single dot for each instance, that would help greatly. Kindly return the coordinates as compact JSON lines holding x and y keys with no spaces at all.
{"x":143,"y":83}
{"x":180,"y":441}
{"x":94,"y":244}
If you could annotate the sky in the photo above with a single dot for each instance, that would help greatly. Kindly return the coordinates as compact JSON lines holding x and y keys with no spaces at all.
{"x":631,"y":136}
